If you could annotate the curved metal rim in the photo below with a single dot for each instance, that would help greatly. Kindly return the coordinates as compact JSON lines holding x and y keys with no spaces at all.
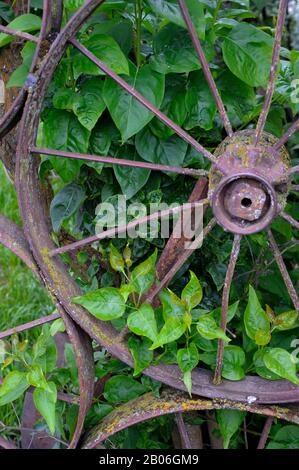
{"x":55,"y":273}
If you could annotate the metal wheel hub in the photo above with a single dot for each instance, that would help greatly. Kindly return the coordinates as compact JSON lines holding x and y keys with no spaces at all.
{"x":248,"y":184}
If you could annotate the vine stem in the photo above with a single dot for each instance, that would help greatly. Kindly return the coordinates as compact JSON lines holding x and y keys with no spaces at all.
{"x":225,"y":302}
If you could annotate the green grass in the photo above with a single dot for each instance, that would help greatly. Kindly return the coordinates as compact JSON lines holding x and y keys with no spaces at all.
{"x":22,"y":297}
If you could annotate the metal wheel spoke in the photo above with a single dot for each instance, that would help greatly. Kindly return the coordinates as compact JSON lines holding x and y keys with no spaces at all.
{"x":29,"y":325}
{"x":273,"y":71}
{"x":295,"y":188}
{"x":290,"y":219}
{"x":283,"y":270}
{"x":177,"y":129}
{"x":123,"y":228}
{"x":283,"y":140}
{"x":265,"y":432}
{"x":205,"y":67}
{"x":18,"y":34}
{"x":293,"y":170}
{"x":120,"y":161}
{"x":225,"y":303}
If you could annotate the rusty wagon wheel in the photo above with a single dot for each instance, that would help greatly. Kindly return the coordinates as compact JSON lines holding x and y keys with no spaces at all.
{"x":249,"y":183}
{"x":51,"y":23}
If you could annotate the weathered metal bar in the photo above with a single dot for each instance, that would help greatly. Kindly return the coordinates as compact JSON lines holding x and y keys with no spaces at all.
{"x":168,"y":122}
{"x":170,"y":401}
{"x":225,"y":303}
{"x":283,"y":270}
{"x":185,"y":439}
{"x":290,"y":219}
{"x":283,"y":140}
{"x":13,"y":115}
{"x":29,"y":325}
{"x":273,"y":71}
{"x":5,"y":444}
{"x":265,"y":432}
{"x":120,"y":161}
{"x":123,"y":228}
{"x":293,"y":170}
{"x":205,"y":68}
{"x":18,"y":34}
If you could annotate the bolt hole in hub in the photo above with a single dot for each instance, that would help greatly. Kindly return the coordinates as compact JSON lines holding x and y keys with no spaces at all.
{"x":244,"y":183}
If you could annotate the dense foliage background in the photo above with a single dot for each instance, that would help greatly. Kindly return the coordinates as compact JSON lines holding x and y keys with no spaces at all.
{"x":85,"y":112}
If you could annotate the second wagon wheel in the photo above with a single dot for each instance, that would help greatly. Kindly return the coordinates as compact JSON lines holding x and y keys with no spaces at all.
{"x":248,"y":186}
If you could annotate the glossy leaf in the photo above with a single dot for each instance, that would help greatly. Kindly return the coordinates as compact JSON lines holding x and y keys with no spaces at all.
{"x":201,"y":106}
{"x":45,"y":402}
{"x":105,"y":304}
{"x":188,"y":358}
{"x":66,"y":203}
{"x":63,"y":131}
{"x":130,"y":179}
{"x":107,"y":50}
{"x":172,"y":330}
{"x":116,"y":260}
{"x":172,"y":306}
{"x":281,"y":362}
{"x":192,"y":292}
{"x":143,"y":322}
{"x":247,"y":51}
{"x":229,"y":422}
{"x":143,"y":276}
{"x":27,"y":23}
{"x":208,"y":328}
{"x":128,"y":114}
{"x":141,"y":354}
{"x":14,"y":385}
{"x":255,"y":318}
{"x":121,"y":388}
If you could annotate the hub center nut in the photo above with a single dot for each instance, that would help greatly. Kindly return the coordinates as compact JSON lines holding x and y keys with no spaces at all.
{"x":245,"y":199}
{"x":244,"y":203}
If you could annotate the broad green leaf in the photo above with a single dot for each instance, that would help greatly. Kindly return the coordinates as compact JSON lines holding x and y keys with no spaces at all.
{"x":208,"y":328}
{"x":14,"y":385}
{"x":233,"y":362}
{"x":6,"y":12}
{"x":63,"y":131}
{"x":45,"y":402}
{"x":105,"y":304}
{"x":172,"y":306}
{"x":286,"y":320}
{"x":47,"y":361}
{"x":116,"y":259}
{"x":201,"y":106}
{"x":130,"y":179}
{"x":107,"y":50}
{"x":143,"y":276}
{"x":192,"y":292}
{"x":36,"y":377}
{"x":57,"y":327}
{"x":255,"y":318}
{"x":262,"y":337}
{"x":188,"y":358}
{"x":165,"y":152}
{"x":73,"y":5}
{"x":238,"y":98}
{"x":247,"y":51}
{"x":88,"y":104}
{"x":100,"y":140}
{"x":128,"y":114}
{"x":174,"y":51}
{"x":19,"y":76}
{"x":229,"y":422}
{"x":27,"y":23}
{"x":143,"y":322}
{"x":172,"y":330}
{"x":280,"y":362}
{"x":286,"y":437}
{"x":121,"y":388}
{"x":171,"y":11}
{"x":141,"y":354}
{"x":173,"y":106}
{"x":232,"y":310}
{"x":66,"y":203}
{"x":260,"y":367}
